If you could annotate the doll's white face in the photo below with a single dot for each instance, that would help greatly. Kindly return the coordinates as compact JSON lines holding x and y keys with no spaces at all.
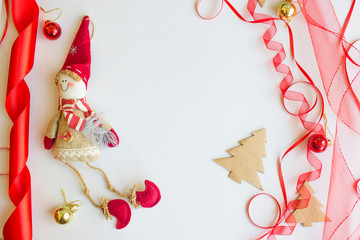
{"x":68,"y":88}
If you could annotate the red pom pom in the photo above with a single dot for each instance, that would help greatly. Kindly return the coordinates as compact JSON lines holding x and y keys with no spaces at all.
{"x":52,"y":30}
{"x":317,"y":143}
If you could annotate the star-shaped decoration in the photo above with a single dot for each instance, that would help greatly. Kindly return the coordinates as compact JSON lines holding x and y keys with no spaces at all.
{"x":73,"y":50}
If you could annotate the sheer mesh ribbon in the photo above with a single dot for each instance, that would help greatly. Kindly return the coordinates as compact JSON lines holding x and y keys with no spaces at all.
{"x":340,"y":77}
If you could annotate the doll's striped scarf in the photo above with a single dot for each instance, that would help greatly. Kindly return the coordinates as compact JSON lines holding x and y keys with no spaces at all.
{"x":67,"y":106}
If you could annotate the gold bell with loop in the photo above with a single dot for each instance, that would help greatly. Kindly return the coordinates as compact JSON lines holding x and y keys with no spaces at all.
{"x":287,"y":10}
{"x":64,"y":214}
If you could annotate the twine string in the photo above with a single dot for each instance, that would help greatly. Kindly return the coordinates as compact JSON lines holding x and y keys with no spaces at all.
{"x":327,"y":130}
{"x":108,"y":183}
{"x":71,"y":205}
{"x":131,"y":196}
{"x":63,"y":193}
{"x":86,"y":189}
{"x":55,"y":9}
{"x":104,"y":206}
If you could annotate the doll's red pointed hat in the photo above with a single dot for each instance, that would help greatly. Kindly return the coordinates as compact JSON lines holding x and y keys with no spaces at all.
{"x":78,"y":61}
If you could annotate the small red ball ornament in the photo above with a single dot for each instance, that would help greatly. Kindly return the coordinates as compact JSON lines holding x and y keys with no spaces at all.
{"x":317,"y":143}
{"x":52,"y":30}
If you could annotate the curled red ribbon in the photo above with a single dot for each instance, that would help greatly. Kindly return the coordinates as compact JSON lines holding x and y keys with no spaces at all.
{"x":7,"y":21}
{"x":25,"y":17}
{"x":312,"y":127}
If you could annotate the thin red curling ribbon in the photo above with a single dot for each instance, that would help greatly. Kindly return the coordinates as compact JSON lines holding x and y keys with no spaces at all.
{"x":287,"y":223}
{"x":7,"y":21}
{"x":25,"y":17}
{"x":340,"y":78}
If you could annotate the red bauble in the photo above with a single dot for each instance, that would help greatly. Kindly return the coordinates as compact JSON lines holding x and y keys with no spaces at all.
{"x":317,"y":143}
{"x":52,"y":30}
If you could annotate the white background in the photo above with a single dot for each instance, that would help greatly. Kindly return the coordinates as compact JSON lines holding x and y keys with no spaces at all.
{"x":179,"y":91}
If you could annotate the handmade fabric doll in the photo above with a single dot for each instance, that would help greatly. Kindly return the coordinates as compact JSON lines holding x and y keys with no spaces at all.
{"x":77,"y":133}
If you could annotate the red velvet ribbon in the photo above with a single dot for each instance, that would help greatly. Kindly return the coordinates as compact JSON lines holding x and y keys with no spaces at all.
{"x":25,"y":17}
{"x":312,"y":127}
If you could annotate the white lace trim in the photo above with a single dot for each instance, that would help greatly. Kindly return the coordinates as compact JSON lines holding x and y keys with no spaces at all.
{"x":80,"y":154}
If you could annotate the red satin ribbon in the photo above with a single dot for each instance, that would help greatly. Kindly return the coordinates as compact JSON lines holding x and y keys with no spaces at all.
{"x":285,"y":86}
{"x":208,"y":18}
{"x":7,"y":20}
{"x":278,"y":209}
{"x":25,"y":17}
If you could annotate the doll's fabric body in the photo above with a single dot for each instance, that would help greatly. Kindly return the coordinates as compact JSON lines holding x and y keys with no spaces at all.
{"x":68,"y":133}
{"x":70,"y":144}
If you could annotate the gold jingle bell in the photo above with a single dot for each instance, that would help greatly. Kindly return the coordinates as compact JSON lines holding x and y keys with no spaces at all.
{"x":64,"y":214}
{"x":287,"y":10}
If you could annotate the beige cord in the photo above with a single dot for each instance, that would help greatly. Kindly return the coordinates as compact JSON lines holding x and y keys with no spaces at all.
{"x":42,"y":9}
{"x":110,"y":187}
{"x":131,"y":195}
{"x":63,"y":193}
{"x":327,"y":127}
{"x":104,"y":201}
{"x":86,"y":191}
{"x":76,"y":202}
{"x":93,"y":29}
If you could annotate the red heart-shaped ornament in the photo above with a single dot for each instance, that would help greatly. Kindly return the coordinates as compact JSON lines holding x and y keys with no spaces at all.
{"x":150,"y":196}
{"x":121,"y":210}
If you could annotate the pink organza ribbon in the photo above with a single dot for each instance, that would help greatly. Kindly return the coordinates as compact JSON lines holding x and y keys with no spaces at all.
{"x":339,"y":71}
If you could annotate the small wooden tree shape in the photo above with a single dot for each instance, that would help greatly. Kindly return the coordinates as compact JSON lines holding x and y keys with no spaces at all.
{"x":312,"y":213}
{"x":246,"y":159}
{"x":261,"y":2}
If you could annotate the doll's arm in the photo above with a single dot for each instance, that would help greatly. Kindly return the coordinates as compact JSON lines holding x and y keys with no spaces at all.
{"x":114,"y":144}
{"x":51,"y":132}
{"x":108,"y":137}
{"x":108,"y":127}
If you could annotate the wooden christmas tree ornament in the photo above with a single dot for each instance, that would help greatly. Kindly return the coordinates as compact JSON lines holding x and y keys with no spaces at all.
{"x":261,"y":2}
{"x":246,"y":159}
{"x":312,"y":213}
